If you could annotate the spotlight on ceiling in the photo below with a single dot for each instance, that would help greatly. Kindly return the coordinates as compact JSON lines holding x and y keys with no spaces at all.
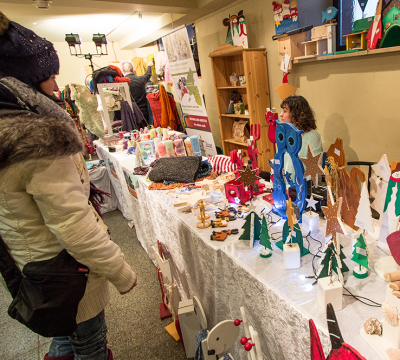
{"x":72,"y":40}
{"x":42,"y":4}
{"x":100,"y":40}
{"x":140,"y":16}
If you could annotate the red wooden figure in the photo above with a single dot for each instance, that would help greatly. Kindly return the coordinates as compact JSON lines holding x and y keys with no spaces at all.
{"x":271,"y":118}
{"x":237,"y":159}
{"x":255,"y":130}
{"x":340,"y":350}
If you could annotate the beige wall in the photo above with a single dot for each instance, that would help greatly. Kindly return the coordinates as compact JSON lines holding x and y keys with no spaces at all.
{"x":354,"y":99}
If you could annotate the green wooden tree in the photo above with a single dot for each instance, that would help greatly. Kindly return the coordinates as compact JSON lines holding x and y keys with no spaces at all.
{"x":249,"y":232}
{"x":360,"y":256}
{"x":297,"y":237}
{"x":265,"y":240}
{"x":330,"y":263}
{"x":344,"y":267}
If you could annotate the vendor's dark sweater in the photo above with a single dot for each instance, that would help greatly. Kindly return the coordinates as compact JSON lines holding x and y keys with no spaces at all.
{"x":137,"y":87}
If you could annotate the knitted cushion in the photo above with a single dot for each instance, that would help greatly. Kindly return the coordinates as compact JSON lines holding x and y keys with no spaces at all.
{"x":178,"y":169}
{"x":221,"y":164}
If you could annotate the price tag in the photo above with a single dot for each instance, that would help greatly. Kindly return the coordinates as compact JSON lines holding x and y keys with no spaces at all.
{"x":277,"y":161}
{"x":361,"y":251}
{"x":359,"y":224}
{"x":337,"y":152}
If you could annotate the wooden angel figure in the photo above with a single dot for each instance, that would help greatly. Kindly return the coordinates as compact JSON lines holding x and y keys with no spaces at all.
{"x":344,"y":185}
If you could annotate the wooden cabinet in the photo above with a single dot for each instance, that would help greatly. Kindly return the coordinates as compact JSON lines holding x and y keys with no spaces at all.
{"x":252,"y":63}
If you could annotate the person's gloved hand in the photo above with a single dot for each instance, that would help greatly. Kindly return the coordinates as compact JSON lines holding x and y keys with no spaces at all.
{"x":151,"y":63}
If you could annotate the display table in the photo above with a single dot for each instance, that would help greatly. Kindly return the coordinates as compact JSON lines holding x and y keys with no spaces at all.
{"x":227,"y":275}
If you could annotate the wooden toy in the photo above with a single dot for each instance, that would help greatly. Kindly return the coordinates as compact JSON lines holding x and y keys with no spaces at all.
{"x":285,"y":89}
{"x":344,"y":185}
{"x":170,"y":292}
{"x":251,"y":228}
{"x":222,"y":235}
{"x":265,"y":240}
{"x":254,"y":348}
{"x":288,"y":139}
{"x":219,"y":339}
{"x":242,"y":31}
{"x":312,"y":166}
{"x":190,"y":324}
{"x":203,"y":224}
{"x":255,"y":130}
{"x":218,"y":223}
{"x":237,"y":158}
{"x":364,"y":214}
{"x":271,"y":117}
{"x":356,"y":41}
{"x":375,"y":30}
{"x":360,"y":256}
{"x":236,"y":193}
{"x":248,"y":177}
{"x":329,"y":14}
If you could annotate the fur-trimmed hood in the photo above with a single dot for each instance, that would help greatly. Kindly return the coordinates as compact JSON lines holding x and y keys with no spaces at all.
{"x":27,"y":136}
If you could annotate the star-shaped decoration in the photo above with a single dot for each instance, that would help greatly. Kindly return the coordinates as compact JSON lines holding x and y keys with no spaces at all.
{"x":290,"y":214}
{"x":277,"y":23}
{"x":334,"y":223}
{"x":288,"y":177}
{"x":248,"y":176}
{"x":311,"y":203}
{"x":312,"y":166}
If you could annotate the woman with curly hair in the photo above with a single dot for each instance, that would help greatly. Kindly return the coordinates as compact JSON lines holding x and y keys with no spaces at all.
{"x":296,"y":110}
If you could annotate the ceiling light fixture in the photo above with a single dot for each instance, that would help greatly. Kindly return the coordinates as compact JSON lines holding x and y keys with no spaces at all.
{"x":98,"y":39}
{"x":42,"y":4}
{"x":140,"y":16}
{"x":34,"y":23}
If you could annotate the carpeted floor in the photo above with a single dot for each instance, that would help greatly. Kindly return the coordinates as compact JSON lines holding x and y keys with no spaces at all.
{"x":135,"y":330}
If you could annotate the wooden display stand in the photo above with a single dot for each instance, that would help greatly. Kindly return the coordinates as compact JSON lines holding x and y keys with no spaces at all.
{"x":292,"y":45}
{"x":330,"y":292}
{"x":291,"y":256}
{"x":252,"y":63}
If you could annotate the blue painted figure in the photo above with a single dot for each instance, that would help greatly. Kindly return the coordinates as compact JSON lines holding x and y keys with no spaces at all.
{"x":288,"y":140}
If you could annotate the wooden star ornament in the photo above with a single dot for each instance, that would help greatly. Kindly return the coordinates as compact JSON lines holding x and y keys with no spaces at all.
{"x":312,"y":165}
{"x":248,"y":176}
{"x":334,"y":223}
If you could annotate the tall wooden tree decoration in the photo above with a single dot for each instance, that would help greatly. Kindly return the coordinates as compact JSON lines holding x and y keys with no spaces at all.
{"x":360,"y":256}
{"x":364,"y":214}
{"x":251,"y":228}
{"x":330,"y":263}
{"x":265,"y":240}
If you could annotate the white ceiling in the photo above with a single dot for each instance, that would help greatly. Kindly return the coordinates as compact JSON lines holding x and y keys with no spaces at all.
{"x":118,"y":18}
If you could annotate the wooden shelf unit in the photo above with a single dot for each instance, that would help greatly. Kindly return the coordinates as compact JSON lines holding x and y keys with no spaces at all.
{"x":253,"y":64}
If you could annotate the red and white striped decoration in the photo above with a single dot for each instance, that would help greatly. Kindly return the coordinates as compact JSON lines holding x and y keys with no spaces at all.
{"x":221,"y":164}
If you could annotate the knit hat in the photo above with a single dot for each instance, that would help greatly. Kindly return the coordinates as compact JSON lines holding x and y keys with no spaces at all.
{"x":276,"y":6}
{"x":25,"y":55}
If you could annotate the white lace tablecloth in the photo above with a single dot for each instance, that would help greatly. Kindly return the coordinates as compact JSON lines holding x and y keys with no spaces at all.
{"x":227,"y":275}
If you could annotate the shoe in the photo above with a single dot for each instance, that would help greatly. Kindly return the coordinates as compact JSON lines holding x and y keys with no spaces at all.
{"x":66,"y":357}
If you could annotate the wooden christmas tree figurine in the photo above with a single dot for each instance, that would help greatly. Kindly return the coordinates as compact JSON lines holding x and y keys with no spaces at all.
{"x":330,"y":263}
{"x":360,"y":256}
{"x":364,"y":214}
{"x":251,"y":228}
{"x":265,"y":240}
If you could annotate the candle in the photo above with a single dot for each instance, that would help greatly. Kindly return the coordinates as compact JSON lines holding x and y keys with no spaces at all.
{"x":179,"y":149}
{"x":194,"y":139}
{"x":165,"y":134}
{"x":188,"y":146}
{"x":162,"y":150}
{"x":169,"y":148}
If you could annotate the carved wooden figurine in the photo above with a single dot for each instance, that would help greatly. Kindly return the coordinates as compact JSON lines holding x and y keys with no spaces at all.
{"x":344,"y":185}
